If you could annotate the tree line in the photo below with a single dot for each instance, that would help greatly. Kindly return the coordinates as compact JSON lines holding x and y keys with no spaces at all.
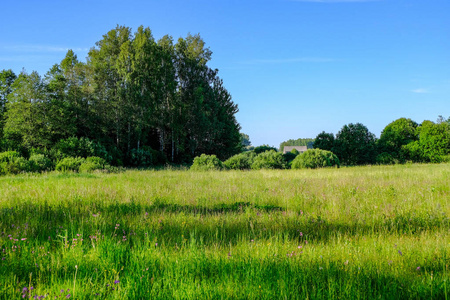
{"x":400,"y":141}
{"x":135,"y":98}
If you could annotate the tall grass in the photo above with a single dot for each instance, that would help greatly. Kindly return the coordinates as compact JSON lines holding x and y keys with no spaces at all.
{"x":349,"y":233}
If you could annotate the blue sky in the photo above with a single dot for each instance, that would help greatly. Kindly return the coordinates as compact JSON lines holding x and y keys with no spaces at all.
{"x":294,"y":67}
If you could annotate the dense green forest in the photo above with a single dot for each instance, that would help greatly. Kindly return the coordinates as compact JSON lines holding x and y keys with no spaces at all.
{"x":136,"y":101}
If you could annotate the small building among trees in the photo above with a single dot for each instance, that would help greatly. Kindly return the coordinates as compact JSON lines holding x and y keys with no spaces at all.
{"x":300,"y":149}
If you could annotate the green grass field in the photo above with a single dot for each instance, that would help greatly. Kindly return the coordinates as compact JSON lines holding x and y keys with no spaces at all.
{"x":352,"y":233}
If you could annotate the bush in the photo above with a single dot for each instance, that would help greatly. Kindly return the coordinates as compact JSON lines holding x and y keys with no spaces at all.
{"x":70,"y":164}
{"x":315,"y":158}
{"x":290,"y":156}
{"x":240,"y":161}
{"x":12,"y":163}
{"x":8,"y":156}
{"x":269,"y":160}
{"x":386,"y":159}
{"x":80,"y":147}
{"x":264,"y":148}
{"x":40,"y":163}
{"x":93,"y":163}
{"x":145,"y":157}
{"x":206,"y":162}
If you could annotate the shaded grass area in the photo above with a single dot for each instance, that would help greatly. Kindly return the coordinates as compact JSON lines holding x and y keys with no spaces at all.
{"x":373,"y":232}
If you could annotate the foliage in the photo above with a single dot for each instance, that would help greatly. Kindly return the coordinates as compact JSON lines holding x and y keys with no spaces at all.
{"x":145,"y":157}
{"x":206,"y":163}
{"x":241,"y":161}
{"x":93,"y":163}
{"x":245,"y":140}
{"x":290,"y":156}
{"x":70,"y":164}
{"x":355,"y":145}
{"x":12,"y":163}
{"x":269,"y":160}
{"x":264,"y":148}
{"x":433,"y":144}
{"x":386,"y":158}
{"x":132,"y":92}
{"x":324,"y":141}
{"x":40,"y":163}
{"x":315,"y":158}
{"x":298,"y":142}
{"x":393,"y":137}
{"x":80,"y":147}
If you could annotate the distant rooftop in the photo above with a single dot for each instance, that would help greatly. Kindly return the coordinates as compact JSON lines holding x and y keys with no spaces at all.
{"x":300,"y":149}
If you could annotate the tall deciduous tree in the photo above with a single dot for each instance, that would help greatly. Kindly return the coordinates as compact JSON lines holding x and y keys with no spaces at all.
{"x":433,"y":144}
{"x":27,"y":112}
{"x":395,"y":135}
{"x":355,"y":145}
{"x":7,"y":78}
{"x":324,"y":141}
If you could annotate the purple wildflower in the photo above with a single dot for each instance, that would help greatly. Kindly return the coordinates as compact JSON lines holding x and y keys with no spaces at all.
{"x":400,"y":252}
{"x":116,"y":281}
{"x":418,"y":268}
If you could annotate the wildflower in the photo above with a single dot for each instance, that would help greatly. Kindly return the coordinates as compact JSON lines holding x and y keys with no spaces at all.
{"x":156,"y":244}
{"x":116,"y":281}
{"x":301,"y":233}
{"x":418,"y":268}
{"x":23,"y":239}
{"x":299,"y":247}
{"x":400,"y":252}
{"x":68,"y":296}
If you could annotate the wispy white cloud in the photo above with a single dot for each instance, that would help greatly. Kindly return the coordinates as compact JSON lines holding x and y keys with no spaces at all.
{"x":41,"y":48}
{"x":334,"y":1}
{"x":290,"y":60}
{"x":420,"y":91}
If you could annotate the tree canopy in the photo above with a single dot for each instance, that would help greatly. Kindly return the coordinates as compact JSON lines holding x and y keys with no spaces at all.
{"x":132,"y":92}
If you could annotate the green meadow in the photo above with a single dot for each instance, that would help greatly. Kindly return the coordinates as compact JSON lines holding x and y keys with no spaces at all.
{"x":376,"y":232}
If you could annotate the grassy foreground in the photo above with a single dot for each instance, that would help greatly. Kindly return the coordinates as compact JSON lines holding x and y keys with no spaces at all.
{"x":349,"y":233}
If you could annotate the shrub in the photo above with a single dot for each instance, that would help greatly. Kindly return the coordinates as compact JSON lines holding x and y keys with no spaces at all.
{"x":40,"y":163}
{"x":93,"y":163}
{"x":264,"y":148}
{"x":269,"y":160}
{"x":70,"y":164}
{"x":315,"y":158}
{"x":386,"y":159}
{"x":8,"y":156}
{"x":206,"y":162}
{"x":240,"y":161}
{"x":145,"y":157}
{"x":290,"y":156}
{"x":80,"y":147}
{"x":12,"y":163}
